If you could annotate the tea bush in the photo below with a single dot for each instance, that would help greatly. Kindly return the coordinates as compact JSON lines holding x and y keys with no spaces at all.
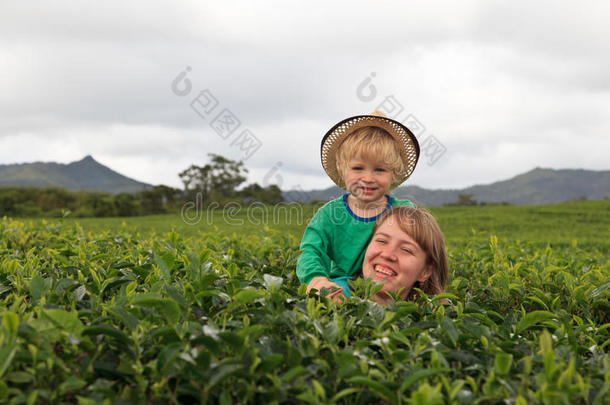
{"x":112,"y":317}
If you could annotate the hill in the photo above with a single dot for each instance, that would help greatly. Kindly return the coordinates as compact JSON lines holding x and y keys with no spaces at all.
{"x":538,"y":186}
{"x":85,"y":174}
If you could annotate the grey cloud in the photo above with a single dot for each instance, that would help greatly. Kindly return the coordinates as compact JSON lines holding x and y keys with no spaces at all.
{"x":478,"y":75}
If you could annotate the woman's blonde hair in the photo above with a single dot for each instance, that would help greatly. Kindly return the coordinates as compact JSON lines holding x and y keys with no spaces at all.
{"x":420,"y":225}
{"x":371,"y":143}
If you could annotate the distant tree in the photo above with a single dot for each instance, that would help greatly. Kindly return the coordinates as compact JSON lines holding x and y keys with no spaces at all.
{"x":34,"y":201}
{"x":27,"y":209}
{"x":190,"y":178}
{"x":159,"y":199}
{"x":226,"y":174}
{"x":274,"y":194}
{"x":221,"y":175}
{"x":7,"y":204}
{"x":53,"y":198}
{"x":251,"y":192}
{"x":170,"y":197}
{"x":151,"y":202}
{"x":466,"y":199}
{"x":126,"y":205}
{"x":254,"y":192}
{"x":102,"y":204}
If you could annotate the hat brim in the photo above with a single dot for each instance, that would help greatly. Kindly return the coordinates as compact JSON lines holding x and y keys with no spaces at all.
{"x":409,"y":147}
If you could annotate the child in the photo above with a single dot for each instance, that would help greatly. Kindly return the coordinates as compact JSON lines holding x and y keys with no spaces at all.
{"x":367,"y":155}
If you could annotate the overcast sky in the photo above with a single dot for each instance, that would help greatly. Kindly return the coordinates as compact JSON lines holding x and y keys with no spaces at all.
{"x":495,"y":88}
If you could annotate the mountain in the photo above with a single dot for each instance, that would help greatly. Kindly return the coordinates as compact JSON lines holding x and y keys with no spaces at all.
{"x":85,"y":174}
{"x":538,"y":186}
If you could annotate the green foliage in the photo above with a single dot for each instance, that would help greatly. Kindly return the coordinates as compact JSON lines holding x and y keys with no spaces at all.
{"x":102,"y":205}
{"x":126,"y":205}
{"x":160,"y":199}
{"x":50,"y":202}
{"x":215,"y":183}
{"x":111,"y":316}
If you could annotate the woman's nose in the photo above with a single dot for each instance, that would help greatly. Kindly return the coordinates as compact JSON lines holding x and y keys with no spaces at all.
{"x":388,"y":253}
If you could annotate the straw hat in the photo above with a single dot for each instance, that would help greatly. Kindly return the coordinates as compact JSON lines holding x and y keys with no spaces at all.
{"x":409,"y":148}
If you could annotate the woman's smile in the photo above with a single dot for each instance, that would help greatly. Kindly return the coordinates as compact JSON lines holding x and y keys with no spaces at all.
{"x":384,"y":271}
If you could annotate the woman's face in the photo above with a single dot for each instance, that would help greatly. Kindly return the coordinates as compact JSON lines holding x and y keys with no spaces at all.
{"x":395,"y":259}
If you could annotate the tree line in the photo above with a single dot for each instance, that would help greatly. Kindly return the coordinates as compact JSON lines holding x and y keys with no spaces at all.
{"x":218,"y":181}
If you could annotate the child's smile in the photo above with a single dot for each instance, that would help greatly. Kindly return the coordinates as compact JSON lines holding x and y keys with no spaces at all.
{"x":368,"y":190}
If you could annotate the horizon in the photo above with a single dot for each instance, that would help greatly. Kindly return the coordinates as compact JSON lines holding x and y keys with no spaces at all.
{"x":294,"y":189}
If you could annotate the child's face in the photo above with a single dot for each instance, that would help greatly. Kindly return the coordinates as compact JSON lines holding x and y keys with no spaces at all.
{"x":395,"y":259}
{"x":367,"y":180}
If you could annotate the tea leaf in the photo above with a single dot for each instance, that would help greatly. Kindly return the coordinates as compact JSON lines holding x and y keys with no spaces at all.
{"x":39,"y":286}
{"x":534,"y":318}
{"x":6,"y":356}
{"x":272,"y":282}
{"x":221,"y":372}
{"x":10,"y":321}
{"x":246,"y":296}
{"x":377,"y":387}
{"x":106,"y":330}
{"x":598,"y":291}
{"x":64,"y":320}
{"x":421,"y":374}
{"x":502,"y":363}
{"x":449,"y":329}
{"x":166,"y":306}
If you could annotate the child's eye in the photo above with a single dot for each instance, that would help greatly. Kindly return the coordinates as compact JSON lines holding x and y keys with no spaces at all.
{"x":357,"y":168}
{"x":405,"y":250}
{"x":380,"y":169}
{"x":380,"y":241}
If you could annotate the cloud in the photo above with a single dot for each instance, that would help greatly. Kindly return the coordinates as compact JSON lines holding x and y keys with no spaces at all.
{"x":505,"y":87}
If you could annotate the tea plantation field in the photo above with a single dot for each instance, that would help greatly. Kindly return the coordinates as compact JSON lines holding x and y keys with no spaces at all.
{"x":206,"y":308}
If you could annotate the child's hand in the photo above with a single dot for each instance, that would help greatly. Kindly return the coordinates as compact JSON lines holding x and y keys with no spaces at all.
{"x":318,"y":283}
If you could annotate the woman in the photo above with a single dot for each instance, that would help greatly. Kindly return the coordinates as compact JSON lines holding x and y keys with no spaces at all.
{"x":406,"y":251}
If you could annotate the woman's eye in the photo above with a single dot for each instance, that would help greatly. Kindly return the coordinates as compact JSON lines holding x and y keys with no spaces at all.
{"x":380,"y":241}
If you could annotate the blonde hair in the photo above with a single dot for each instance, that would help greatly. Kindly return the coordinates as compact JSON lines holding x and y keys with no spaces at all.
{"x":420,"y":225}
{"x":371,"y":143}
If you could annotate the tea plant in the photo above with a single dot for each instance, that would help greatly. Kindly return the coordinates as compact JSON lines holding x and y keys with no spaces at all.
{"x":113,"y":317}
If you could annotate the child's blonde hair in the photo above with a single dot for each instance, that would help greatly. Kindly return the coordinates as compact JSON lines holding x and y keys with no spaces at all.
{"x":371,"y":143}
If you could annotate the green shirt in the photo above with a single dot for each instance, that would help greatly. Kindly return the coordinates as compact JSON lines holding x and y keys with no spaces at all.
{"x":335,"y":240}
